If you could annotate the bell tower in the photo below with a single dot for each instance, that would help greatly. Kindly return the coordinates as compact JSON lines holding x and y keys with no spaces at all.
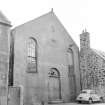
{"x":84,"y":50}
{"x":84,"y":40}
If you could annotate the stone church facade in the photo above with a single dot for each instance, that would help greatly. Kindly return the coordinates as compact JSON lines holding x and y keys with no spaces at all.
{"x":39,"y":62}
{"x":92,"y":66}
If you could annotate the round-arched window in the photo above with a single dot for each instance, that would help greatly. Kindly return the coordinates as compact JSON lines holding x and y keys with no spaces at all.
{"x":32,"y":55}
{"x":54,"y":72}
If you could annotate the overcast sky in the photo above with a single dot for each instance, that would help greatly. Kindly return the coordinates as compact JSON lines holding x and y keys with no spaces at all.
{"x":75,"y":15}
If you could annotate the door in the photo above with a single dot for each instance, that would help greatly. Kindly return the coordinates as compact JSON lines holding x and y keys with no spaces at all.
{"x":72,"y":82}
{"x":54,"y":86}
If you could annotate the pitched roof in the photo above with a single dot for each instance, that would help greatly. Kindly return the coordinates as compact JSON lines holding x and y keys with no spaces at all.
{"x":3,"y":19}
{"x":50,"y":14}
{"x":100,"y":53}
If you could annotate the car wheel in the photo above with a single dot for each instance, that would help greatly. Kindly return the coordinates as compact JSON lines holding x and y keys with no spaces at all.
{"x":101,"y":99}
{"x":79,"y":101}
{"x":90,"y":100}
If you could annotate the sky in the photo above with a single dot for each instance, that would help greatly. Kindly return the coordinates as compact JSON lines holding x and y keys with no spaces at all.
{"x":75,"y":15}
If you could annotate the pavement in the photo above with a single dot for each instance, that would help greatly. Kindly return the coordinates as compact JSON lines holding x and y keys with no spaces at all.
{"x":78,"y":104}
{"x":86,"y":104}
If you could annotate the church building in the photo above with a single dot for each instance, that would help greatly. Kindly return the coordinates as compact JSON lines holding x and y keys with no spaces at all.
{"x":39,"y":62}
{"x":92,"y":66}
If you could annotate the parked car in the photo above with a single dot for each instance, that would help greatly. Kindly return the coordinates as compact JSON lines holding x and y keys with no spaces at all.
{"x":89,"y":96}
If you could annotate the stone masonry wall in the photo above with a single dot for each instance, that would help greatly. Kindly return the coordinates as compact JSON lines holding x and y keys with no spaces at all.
{"x":92,"y":68}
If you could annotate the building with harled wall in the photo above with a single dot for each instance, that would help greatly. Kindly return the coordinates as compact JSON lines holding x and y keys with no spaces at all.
{"x":46,"y":61}
{"x":4,"y":58}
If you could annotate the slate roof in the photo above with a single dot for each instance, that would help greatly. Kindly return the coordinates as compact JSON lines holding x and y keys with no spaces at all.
{"x":3,"y":19}
{"x":100,"y":53}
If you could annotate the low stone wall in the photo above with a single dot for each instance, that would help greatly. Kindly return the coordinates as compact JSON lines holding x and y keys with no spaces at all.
{"x":14,"y":95}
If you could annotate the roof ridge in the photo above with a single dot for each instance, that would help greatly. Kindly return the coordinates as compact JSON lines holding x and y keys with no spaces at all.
{"x":3,"y":19}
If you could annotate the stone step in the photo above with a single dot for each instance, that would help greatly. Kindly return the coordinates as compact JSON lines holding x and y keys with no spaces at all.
{"x":55,"y":101}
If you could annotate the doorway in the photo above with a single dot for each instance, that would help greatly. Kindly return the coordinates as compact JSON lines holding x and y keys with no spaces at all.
{"x":54,"y":85}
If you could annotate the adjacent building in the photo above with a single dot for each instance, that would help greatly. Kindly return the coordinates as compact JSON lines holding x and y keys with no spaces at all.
{"x":92,"y":65}
{"x":4,"y":57}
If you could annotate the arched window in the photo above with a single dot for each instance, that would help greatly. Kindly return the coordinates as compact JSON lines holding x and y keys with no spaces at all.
{"x":32,"y":55}
{"x":71,"y":73}
{"x":70,"y":57}
{"x":54,"y":73}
